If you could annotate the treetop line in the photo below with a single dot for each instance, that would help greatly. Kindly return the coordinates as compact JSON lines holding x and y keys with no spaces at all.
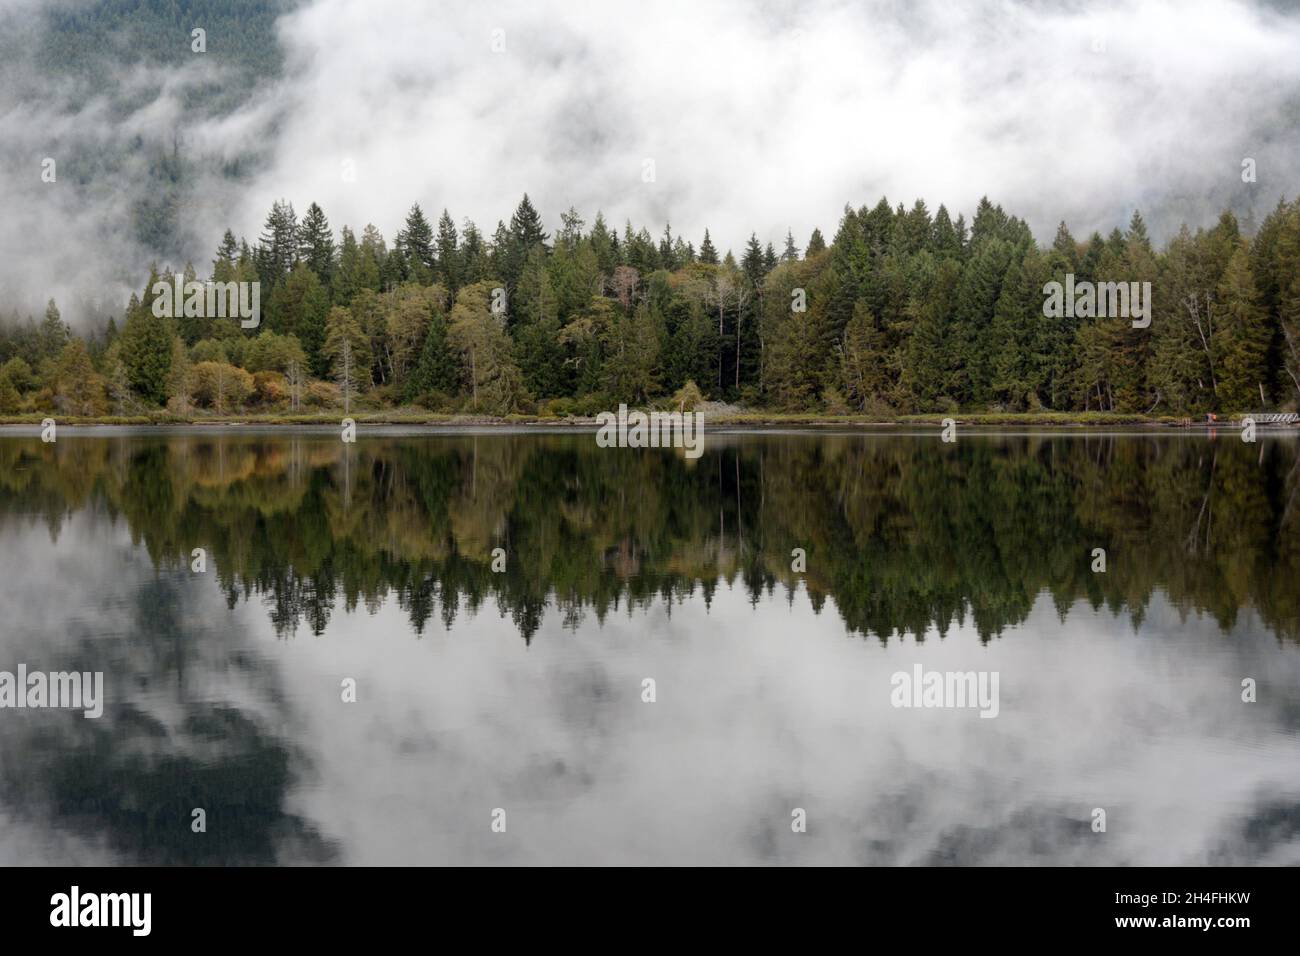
{"x":903,"y":311}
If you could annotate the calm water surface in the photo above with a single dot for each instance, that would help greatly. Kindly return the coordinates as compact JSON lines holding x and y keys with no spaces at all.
{"x":522,"y":690}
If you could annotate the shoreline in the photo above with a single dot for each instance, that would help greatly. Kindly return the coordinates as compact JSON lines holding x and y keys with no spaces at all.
{"x":756,"y":420}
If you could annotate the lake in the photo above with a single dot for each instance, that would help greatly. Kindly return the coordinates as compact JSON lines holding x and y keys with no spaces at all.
{"x":456,"y":647}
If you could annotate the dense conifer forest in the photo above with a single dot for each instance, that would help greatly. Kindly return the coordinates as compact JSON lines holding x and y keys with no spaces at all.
{"x":904,"y":310}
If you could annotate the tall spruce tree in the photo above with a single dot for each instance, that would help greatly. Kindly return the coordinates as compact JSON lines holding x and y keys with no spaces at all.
{"x":316,"y":243}
{"x":1246,"y":335}
{"x":449,"y":254}
{"x":415,"y":247}
{"x":708,"y":254}
{"x":277,"y":250}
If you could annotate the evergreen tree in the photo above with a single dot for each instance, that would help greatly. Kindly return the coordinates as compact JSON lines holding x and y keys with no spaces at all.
{"x":415,"y":248}
{"x":377,"y":265}
{"x":752,"y":264}
{"x":512,"y":246}
{"x":604,"y":243}
{"x":708,"y":254}
{"x":449,"y":255}
{"x":1246,"y":337}
{"x":862,"y":376}
{"x":277,"y":250}
{"x":536,"y":323}
{"x":146,"y":350}
{"x":348,"y":277}
{"x":316,"y":243}
{"x":977,"y":297}
{"x":53,"y":333}
{"x":223,"y":265}
{"x":436,"y":370}
{"x":667,"y":250}
{"x":791,"y":251}
{"x":1065,"y":248}
{"x":632,"y":357}
{"x":473,"y":254}
{"x":914,"y":230}
{"x":931,"y":366}
{"x":191,"y":327}
{"x":526,"y":226}
{"x":1014,"y":319}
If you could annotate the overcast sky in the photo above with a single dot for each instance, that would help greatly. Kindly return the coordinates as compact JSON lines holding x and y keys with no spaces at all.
{"x":757,"y":117}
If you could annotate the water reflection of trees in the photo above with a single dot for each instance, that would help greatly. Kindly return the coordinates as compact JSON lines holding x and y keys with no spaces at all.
{"x":903,"y":533}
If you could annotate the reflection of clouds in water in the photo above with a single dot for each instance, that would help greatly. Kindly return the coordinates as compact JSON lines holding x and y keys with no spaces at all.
{"x":188,"y":722}
{"x":759,"y":710}
{"x":763,"y":710}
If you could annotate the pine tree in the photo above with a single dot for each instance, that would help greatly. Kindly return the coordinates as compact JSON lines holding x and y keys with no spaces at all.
{"x":708,"y":254}
{"x":1284,"y":270}
{"x":526,"y":226}
{"x":53,"y":332}
{"x":752,"y":264}
{"x":1012,"y":338}
{"x":436,"y":370}
{"x":473,"y":254}
{"x":512,"y":246}
{"x":1180,"y":369}
{"x":146,"y":351}
{"x":667,"y":252}
{"x":297,"y":303}
{"x":449,"y":255}
{"x":536,"y":325}
{"x":914,"y":230}
{"x":930,"y":367}
{"x":632,"y":356}
{"x":862,"y":373}
{"x":1065,"y":248}
{"x":348,"y":278}
{"x":277,"y":250}
{"x":376,"y":262}
{"x":1246,"y":337}
{"x":791,"y":251}
{"x":977,"y":298}
{"x":316,"y":243}
{"x":816,"y":244}
{"x":570,"y":234}
{"x":415,"y":247}
{"x":223,"y":265}
{"x":604,"y":242}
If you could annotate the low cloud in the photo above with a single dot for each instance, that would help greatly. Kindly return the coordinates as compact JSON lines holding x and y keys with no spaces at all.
{"x":758,"y":118}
